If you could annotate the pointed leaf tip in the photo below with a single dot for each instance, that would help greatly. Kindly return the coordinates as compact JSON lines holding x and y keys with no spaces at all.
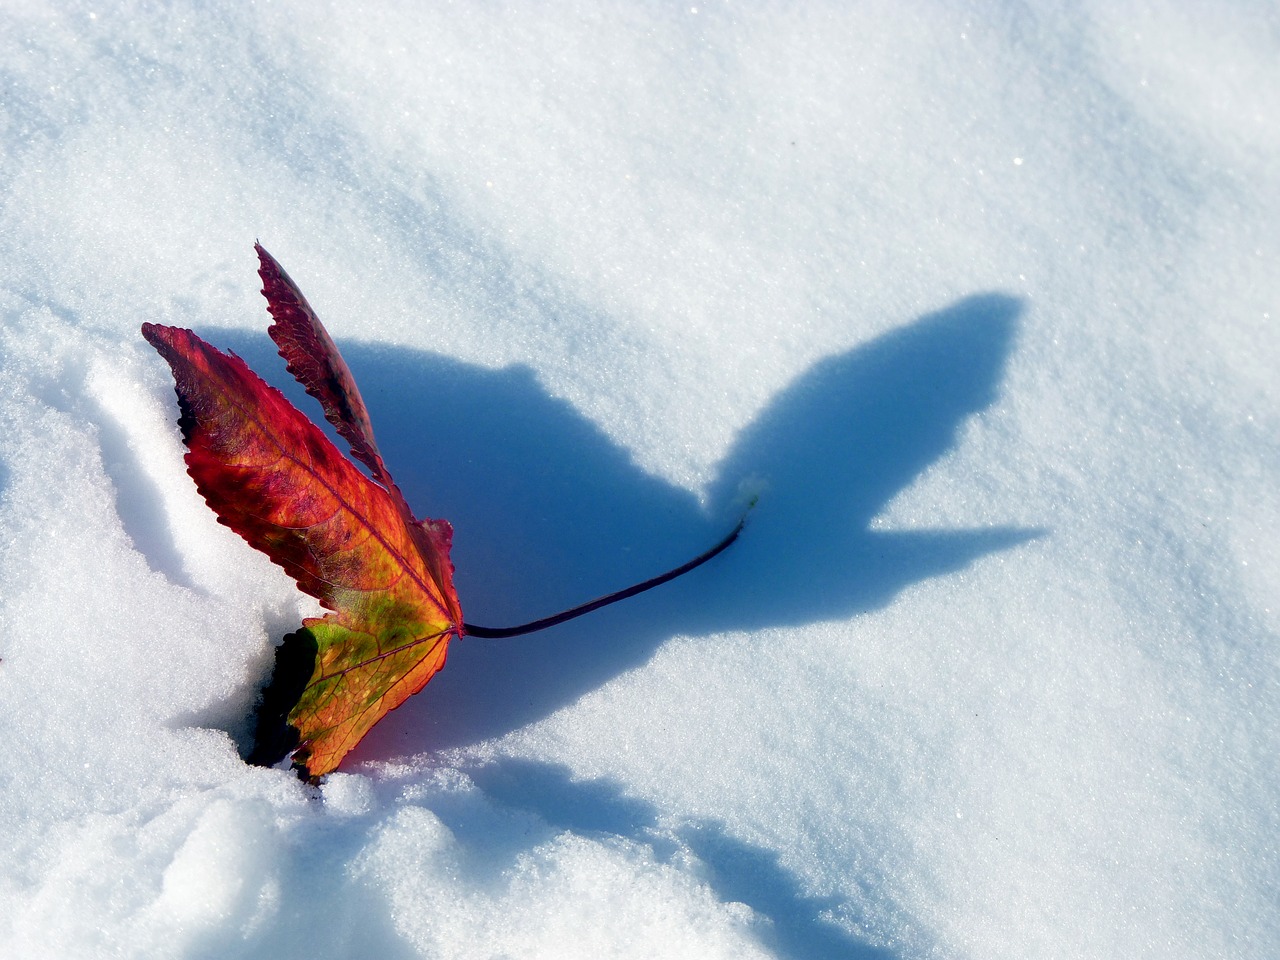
{"x":313,"y":359}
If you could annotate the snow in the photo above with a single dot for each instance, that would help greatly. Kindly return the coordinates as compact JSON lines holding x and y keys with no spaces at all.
{"x":982,"y":305}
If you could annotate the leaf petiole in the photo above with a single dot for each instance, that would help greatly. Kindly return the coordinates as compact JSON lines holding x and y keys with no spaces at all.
{"x":497,"y":633}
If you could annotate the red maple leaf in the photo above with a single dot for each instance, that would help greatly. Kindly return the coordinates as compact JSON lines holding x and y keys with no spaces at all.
{"x":349,"y":541}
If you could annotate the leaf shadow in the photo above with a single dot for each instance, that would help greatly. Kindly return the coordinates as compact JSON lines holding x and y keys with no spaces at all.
{"x":548,"y":511}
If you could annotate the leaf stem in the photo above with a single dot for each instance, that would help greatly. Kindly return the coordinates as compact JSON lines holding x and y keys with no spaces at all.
{"x":472,"y":630}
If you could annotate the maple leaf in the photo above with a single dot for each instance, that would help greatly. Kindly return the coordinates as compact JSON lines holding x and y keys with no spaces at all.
{"x":347,"y":539}
{"x":274,"y":478}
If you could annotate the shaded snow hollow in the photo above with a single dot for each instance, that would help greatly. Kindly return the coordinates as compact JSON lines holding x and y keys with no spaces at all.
{"x":982,"y":304}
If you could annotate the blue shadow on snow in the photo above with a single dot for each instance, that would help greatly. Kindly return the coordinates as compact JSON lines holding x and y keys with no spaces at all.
{"x":548,"y":511}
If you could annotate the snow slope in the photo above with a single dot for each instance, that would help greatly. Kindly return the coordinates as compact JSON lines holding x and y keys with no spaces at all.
{"x":982,"y":302}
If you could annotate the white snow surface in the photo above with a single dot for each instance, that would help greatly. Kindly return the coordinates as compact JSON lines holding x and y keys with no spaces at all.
{"x":980,"y":301}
